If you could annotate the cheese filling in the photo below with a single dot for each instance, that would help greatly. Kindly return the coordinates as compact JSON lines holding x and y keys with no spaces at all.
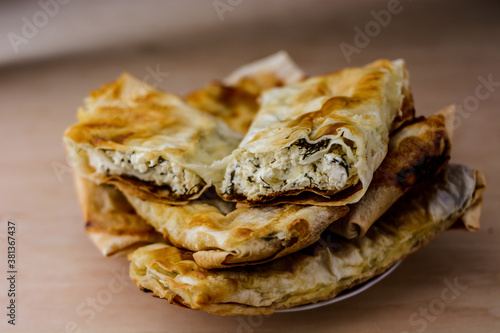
{"x":299,"y":166}
{"x":140,"y":165}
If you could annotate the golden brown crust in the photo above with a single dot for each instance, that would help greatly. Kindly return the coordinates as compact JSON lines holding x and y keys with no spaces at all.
{"x":314,"y":197}
{"x":416,"y":152}
{"x":320,"y":271}
{"x":245,"y":236}
{"x":114,"y":115}
{"x":302,"y":233}
{"x":352,"y":110}
{"x":146,"y":141}
{"x":110,"y":221}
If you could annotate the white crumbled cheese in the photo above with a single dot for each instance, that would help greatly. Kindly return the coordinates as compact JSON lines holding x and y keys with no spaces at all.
{"x":187,"y":280}
{"x":256,"y":175}
{"x":141,"y":166}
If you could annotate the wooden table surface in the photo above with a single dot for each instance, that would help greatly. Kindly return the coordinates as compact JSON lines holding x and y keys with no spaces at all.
{"x":65,"y":285}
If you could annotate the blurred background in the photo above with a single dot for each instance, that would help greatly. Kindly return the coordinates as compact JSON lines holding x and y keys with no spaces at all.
{"x":196,"y":41}
{"x":53,"y":52}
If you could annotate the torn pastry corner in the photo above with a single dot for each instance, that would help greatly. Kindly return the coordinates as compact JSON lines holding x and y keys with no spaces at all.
{"x":212,"y":259}
{"x":448,"y":113}
{"x":469,"y":220}
{"x":279,"y":65}
{"x":110,"y":221}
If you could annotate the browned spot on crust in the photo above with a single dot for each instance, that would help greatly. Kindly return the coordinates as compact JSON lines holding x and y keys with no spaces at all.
{"x":203,"y":220}
{"x":121,"y":138}
{"x":243,"y":233}
{"x":339,"y":103}
{"x":423,"y":157}
{"x":331,"y":106}
{"x":332,"y":129}
{"x":299,"y":227}
{"x":368,"y":83}
{"x":122,"y":225}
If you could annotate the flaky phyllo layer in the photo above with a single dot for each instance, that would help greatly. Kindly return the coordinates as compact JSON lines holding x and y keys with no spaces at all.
{"x":158,"y":146}
{"x":323,"y":270}
{"x":222,"y":237}
{"x":129,"y":132}
{"x":323,"y":135}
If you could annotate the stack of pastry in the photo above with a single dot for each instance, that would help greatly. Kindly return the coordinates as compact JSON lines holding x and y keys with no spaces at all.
{"x":268,"y":189}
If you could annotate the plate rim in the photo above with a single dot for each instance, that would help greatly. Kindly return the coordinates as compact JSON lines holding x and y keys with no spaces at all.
{"x":345,"y":295}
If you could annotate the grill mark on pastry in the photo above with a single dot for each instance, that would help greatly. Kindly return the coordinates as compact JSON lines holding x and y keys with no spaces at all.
{"x":406,"y":178}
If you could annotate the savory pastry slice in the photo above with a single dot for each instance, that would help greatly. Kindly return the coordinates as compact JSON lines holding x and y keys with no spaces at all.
{"x":325,"y":135}
{"x":146,"y":142}
{"x":110,"y":221}
{"x":321,"y":271}
{"x":416,"y":152}
{"x":222,"y":236}
{"x":235,"y":99}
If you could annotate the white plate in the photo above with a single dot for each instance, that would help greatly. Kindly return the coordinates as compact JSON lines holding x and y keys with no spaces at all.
{"x":343,"y":295}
